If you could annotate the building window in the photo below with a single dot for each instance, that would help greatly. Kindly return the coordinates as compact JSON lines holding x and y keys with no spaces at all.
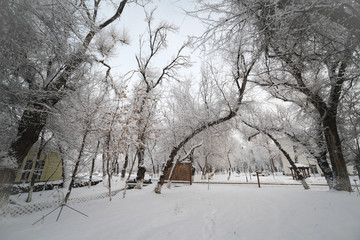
{"x":39,"y":169}
{"x":26,"y":171}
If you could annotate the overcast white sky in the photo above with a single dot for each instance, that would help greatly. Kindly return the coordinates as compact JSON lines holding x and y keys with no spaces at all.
{"x":133,"y":21}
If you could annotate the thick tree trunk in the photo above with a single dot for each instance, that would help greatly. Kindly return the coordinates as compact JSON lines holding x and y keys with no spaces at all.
{"x":31,"y":124}
{"x":141,"y":149}
{"x":320,"y":156}
{"x":126,"y":162}
{"x":340,"y":178}
{"x":7,"y":177}
{"x":141,"y":167}
{"x":322,"y":159}
{"x":357,"y":165}
{"x":328,"y":114}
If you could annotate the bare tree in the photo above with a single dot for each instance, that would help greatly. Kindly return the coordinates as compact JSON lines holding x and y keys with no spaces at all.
{"x":283,"y":151}
{"x":305,"y":51}
{"x":50,"y":56}
{"x":242,"y":68}
{"x":150,"y":48}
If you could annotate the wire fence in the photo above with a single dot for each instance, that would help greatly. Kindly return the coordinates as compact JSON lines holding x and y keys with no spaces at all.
{"x":17,"y":208}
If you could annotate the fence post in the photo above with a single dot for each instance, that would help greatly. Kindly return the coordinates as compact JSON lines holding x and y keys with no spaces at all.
{"x":257,"y":175}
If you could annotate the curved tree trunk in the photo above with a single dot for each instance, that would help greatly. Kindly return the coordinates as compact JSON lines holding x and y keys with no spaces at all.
{"x":77,"y":164}
{"x":320,"y":156}
{"x":285,"y":153}
{"x":177,"y":148}
{"x":292,"y":163}
{"x":241,"y":74}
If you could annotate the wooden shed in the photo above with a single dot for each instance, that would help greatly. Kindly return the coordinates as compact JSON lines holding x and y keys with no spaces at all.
{"x":183,"y":171}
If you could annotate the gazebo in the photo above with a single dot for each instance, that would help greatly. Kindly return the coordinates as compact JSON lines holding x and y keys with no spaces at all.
{"x":304,"y":170}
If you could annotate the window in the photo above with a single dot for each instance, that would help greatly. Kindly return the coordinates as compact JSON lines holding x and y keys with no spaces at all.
{"x":39,"y":169}
{"x":26,"y":171}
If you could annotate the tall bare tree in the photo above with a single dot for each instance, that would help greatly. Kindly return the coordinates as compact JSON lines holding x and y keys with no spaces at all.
{"x":47,"y":46}
{"x":308,"y":50}
{"x":150,"y":48}
{"x":241,"y":67}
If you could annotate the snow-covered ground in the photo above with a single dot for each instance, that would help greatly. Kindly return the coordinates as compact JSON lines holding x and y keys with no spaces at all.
{"x":217,"y":211}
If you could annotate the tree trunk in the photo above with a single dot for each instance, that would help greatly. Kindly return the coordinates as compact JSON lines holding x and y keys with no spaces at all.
{"x":285,"y":153}
{"x":109,"y":175}
{"x":228,"y":158}
{"x":321,"y":157}
{"x":171,"y":173}
{"x":292,"y":163}
{"x":33,"y":177}
{"x":272,"y":164}
{"x":30,"y":126}
{"x":340,"y":178}
{"x":93,"y":164}
{"x":64,"y":174}
{"x":7,"y":177}
{"x":177,"y":148}
{"x":128,"y":178}
{"x":37,"y":161}
{"x":152,"y":160}
{"x":126,"y":162}
{"x":75,"y":171}
{"x":357,"y":164}
{"x":104,"y":162}
{"x":141,"y":167}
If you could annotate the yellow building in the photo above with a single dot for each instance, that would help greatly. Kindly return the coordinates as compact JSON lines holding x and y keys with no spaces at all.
{"x":49,"y":167}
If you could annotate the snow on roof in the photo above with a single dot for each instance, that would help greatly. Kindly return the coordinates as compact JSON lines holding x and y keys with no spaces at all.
{"x":300,"y":165}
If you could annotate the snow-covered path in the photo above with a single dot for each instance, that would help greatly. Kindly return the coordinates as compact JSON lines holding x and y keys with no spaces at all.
{"x":194,"y":212}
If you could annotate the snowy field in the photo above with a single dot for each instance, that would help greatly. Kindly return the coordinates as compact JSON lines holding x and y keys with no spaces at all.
{"x":217,"y":211}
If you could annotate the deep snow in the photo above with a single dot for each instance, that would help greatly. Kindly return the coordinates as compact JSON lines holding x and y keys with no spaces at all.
{"x":198,"y":212}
